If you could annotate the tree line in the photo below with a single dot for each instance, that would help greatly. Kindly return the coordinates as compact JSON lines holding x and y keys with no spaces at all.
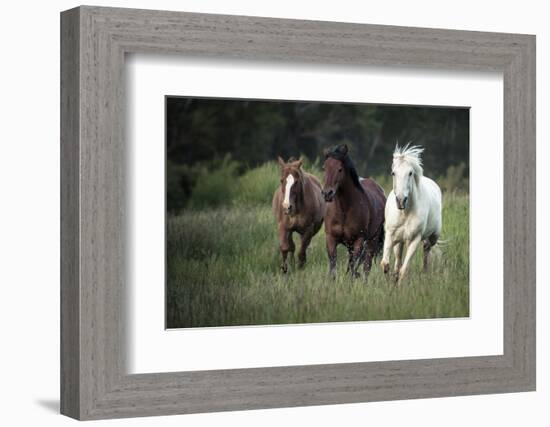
{"x":202,"y":132}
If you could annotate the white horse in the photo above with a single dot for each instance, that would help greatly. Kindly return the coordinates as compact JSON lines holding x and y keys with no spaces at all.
{"x":413,"y":211}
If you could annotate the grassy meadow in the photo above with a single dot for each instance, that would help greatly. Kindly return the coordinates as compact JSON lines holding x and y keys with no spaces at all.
{"x":223,"y":262}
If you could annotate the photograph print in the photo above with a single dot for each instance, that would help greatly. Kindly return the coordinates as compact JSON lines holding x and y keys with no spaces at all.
{"x":287,"y":212}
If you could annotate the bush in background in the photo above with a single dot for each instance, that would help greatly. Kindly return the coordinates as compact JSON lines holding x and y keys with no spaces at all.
{"x":215,"y":186}
{"x":256,"y":186}
{"x":220,"y":183}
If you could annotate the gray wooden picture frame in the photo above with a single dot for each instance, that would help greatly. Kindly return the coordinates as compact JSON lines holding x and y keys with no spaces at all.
{"x":94,"y":381}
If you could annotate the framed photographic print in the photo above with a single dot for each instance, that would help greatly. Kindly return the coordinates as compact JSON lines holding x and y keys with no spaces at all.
{"x":233,"y":203}
{"x":262,"y":213}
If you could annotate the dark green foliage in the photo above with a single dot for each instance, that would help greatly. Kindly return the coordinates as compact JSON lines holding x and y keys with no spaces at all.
{"x":202,"y":131}
{"x":215,"y":187}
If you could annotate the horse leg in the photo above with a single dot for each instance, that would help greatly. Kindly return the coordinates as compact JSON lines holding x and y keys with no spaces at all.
{"x":350,"y":259}
{"x":427,"y":248}
{"x":388,"y":244}
{"x":372,"y":249}
{"x":331,"y":252}
{"x":411,"y":248}
{"x":428,"y":244}
{"x":286,"y":246}
{"x":306,"y":240}
{"x":358,"y":255}
{"x":397,"y":253}
{"x":291,"y":248}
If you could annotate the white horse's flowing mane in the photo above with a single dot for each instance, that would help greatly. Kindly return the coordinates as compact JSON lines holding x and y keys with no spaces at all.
{"x":411,"y":155}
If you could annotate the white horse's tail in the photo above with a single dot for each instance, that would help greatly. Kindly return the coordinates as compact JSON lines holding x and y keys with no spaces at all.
{"x":439,"y":247}
{"x":442,"y":243}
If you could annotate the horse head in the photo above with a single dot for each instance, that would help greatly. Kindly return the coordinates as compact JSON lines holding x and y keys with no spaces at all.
{"x":338,"y":168}
{"x":406,"y":171}
{"x":291,"y":184}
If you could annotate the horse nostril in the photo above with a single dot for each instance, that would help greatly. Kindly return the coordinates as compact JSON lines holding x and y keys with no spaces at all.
{"x":400,"y":202}
{"x":405,"y":200}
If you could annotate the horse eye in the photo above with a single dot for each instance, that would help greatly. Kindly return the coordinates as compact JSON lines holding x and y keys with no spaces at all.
{"x":340,"y":170}
{"x":410,"y":173}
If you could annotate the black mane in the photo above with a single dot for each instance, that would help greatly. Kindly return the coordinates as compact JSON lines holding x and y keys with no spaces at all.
{"x":340,"y":152}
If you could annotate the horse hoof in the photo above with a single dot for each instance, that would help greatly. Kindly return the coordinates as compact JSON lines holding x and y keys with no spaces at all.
{"x":284,"y":269}
{"x":385,"y":268}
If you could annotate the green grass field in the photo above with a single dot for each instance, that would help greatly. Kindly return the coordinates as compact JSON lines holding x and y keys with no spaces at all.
{"x":223,"y":268}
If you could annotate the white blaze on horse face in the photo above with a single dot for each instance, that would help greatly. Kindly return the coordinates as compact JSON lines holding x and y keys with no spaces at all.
{"x":288,"y":186}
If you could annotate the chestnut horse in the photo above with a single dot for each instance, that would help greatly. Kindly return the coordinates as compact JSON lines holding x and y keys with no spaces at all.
{"x":298,"y":206}
{"x":354,"y":215}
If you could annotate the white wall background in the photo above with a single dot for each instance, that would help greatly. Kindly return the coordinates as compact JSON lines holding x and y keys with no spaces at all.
{"x":29,"y":212}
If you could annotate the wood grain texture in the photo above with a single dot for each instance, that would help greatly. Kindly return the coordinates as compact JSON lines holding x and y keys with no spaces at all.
{"x":94,"y":382}
{"x":70,"y":220}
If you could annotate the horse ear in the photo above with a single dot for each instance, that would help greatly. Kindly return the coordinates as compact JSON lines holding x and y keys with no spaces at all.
{"x":343,"y":149}
{"x":326,"y":152}
{"x":282,"y":163}
{"x":298,"y":163}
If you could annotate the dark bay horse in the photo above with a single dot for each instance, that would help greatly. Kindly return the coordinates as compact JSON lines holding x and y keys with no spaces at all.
{"x":354,"y":215}
{"x":298,"y":206}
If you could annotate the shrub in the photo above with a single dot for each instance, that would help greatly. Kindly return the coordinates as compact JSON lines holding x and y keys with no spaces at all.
{"x":256,"y":186}
{"x":180,"y":180}
{"x":215,"y":186}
